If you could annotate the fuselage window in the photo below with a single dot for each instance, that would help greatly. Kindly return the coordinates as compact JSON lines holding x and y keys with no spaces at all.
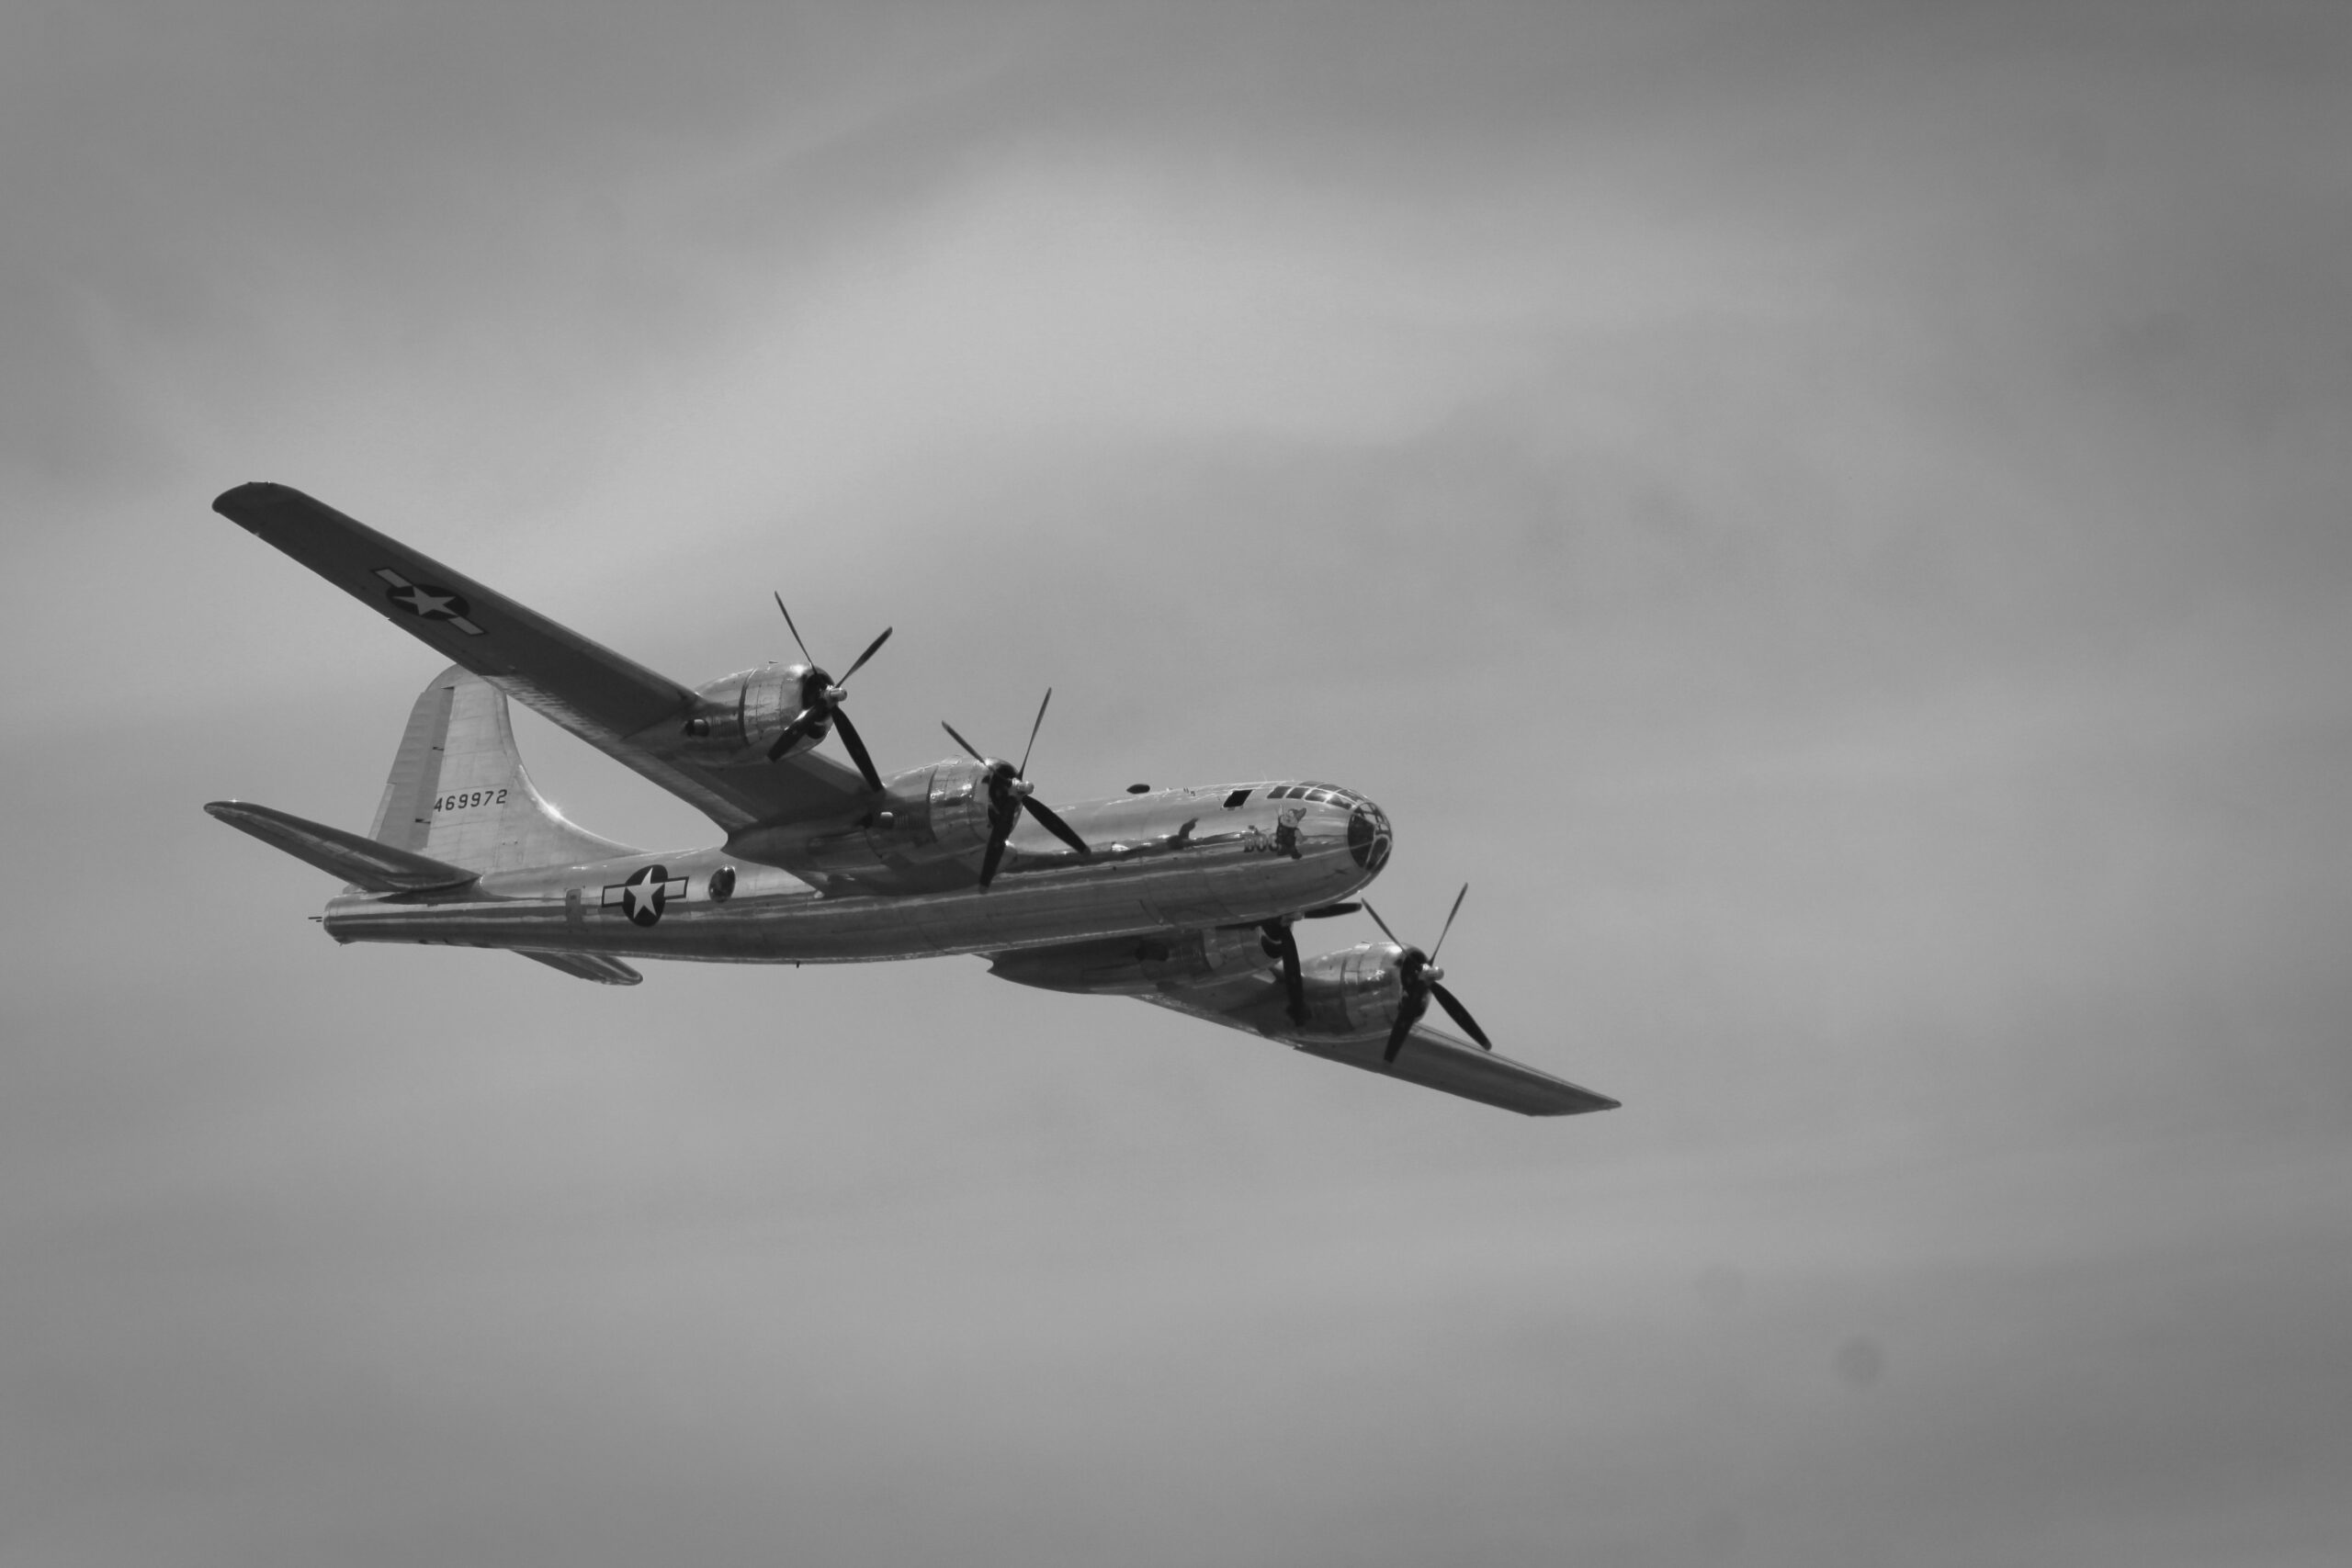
{"x":1235,"y":798}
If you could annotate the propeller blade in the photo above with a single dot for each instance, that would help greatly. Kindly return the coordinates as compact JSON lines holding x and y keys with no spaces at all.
{"x":1328,"y":910}
{"x":1449,"y":920}
{"x":1407,"y":1015}
{"x":848,"y":732}
{"x":995,"y":857}
{"x":1294,"y":980}
{"x":1023,"y":770}
{"x":1381,"y":923}
{"x":1008,"y":797}
{"x":1053,"y":824}
{"x":961,"y":741}
{"x":871,"y":648}
{"x":791,"y":735}
{"x":793,"y":629}
{"x":1460,"y":1015}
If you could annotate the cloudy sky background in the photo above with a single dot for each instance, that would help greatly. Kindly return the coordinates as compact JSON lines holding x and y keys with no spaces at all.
{"x":1831,"y":517}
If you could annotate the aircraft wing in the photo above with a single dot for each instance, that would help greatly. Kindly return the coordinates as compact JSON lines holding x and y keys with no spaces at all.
{"x":1434,"y":1059}
{"x":1254,"y":1001}
{"x":605,"y":699}
{"x":1429,"y":1057}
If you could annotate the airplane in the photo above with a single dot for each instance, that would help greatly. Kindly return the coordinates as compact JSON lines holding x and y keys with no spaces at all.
{"x":1184,"y":897}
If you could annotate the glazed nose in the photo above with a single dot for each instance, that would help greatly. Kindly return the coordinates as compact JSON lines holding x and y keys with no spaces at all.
{"x":1368,"y":835}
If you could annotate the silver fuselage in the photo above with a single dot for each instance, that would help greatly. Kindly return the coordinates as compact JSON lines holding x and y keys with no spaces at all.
{"x":1168,"y":859}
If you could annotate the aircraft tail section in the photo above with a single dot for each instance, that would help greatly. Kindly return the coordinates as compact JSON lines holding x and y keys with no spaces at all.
{"x":363,"y":862}
{"x":458,"y":791}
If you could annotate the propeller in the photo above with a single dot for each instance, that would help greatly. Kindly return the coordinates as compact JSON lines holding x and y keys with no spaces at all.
{"x":821,"y":704}
{"x":1419,"y":973}
{"x":1010,"y":794}
{"x":1281,"y":941}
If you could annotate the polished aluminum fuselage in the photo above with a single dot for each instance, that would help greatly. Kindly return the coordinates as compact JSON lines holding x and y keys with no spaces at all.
{"x":1167,"y":859}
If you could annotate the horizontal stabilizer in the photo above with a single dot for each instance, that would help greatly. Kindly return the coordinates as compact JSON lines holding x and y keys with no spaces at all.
{"x":586,"y":965}
{"x":358,"y":860}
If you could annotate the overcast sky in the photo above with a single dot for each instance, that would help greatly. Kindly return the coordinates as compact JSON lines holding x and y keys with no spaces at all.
{"x":1832,"y":518}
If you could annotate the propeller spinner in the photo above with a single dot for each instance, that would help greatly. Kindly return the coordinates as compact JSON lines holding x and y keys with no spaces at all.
{"x":1010,"y":794}
{"x":821,"y":704}
{"x":1421,"y":978}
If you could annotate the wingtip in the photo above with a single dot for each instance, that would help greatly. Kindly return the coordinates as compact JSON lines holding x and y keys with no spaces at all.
{"x":237,"y":501}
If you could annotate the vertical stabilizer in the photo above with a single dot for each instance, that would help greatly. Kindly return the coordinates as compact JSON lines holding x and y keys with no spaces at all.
{"x":458,"y":791}
{"x":405,"y":814}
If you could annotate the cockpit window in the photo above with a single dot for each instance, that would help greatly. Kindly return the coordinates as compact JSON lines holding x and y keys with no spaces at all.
{"x":1280,"y":792}
{"x":1235,"y":798}
{"x":1321,"y":794}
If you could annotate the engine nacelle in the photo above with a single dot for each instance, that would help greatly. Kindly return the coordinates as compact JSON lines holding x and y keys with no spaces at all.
{"x":737,"y":717}
{"x":1129,"y":965}
{"x":1354,"y":991}
{"x":926,"y":815}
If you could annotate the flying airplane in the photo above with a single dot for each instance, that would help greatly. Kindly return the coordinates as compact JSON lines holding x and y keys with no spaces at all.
{"x":1185,"y":898}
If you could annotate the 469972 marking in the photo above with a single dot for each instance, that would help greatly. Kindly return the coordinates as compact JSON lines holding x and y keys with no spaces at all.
{"x":471,"y":797}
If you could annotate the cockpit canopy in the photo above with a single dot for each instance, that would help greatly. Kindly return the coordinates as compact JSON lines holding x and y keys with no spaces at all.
{"x":1310,"y":790}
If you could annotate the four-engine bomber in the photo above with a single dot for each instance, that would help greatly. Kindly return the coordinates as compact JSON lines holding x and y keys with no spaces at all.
{"x":1189,"y":898}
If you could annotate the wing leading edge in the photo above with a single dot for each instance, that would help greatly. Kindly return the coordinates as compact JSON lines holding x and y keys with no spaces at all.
{"x":608,"y":700}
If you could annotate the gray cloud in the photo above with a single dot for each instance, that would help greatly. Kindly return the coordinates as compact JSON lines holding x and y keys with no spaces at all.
{"x":1829,"y":516}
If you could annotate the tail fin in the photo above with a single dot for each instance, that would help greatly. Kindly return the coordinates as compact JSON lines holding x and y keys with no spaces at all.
{"x":458,"y":791}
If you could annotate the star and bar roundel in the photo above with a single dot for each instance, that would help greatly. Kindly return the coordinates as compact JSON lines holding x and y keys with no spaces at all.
{"x":425,"y":601}
{"x":646,"y":894}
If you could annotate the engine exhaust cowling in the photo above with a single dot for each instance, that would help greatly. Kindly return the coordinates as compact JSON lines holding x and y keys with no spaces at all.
{"x":924,"y":816}
{"x":737,"y":718}
{"x":1355,"y":991}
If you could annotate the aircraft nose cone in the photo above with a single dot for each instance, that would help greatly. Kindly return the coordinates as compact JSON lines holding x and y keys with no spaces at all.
{"x":1368,"y":835}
